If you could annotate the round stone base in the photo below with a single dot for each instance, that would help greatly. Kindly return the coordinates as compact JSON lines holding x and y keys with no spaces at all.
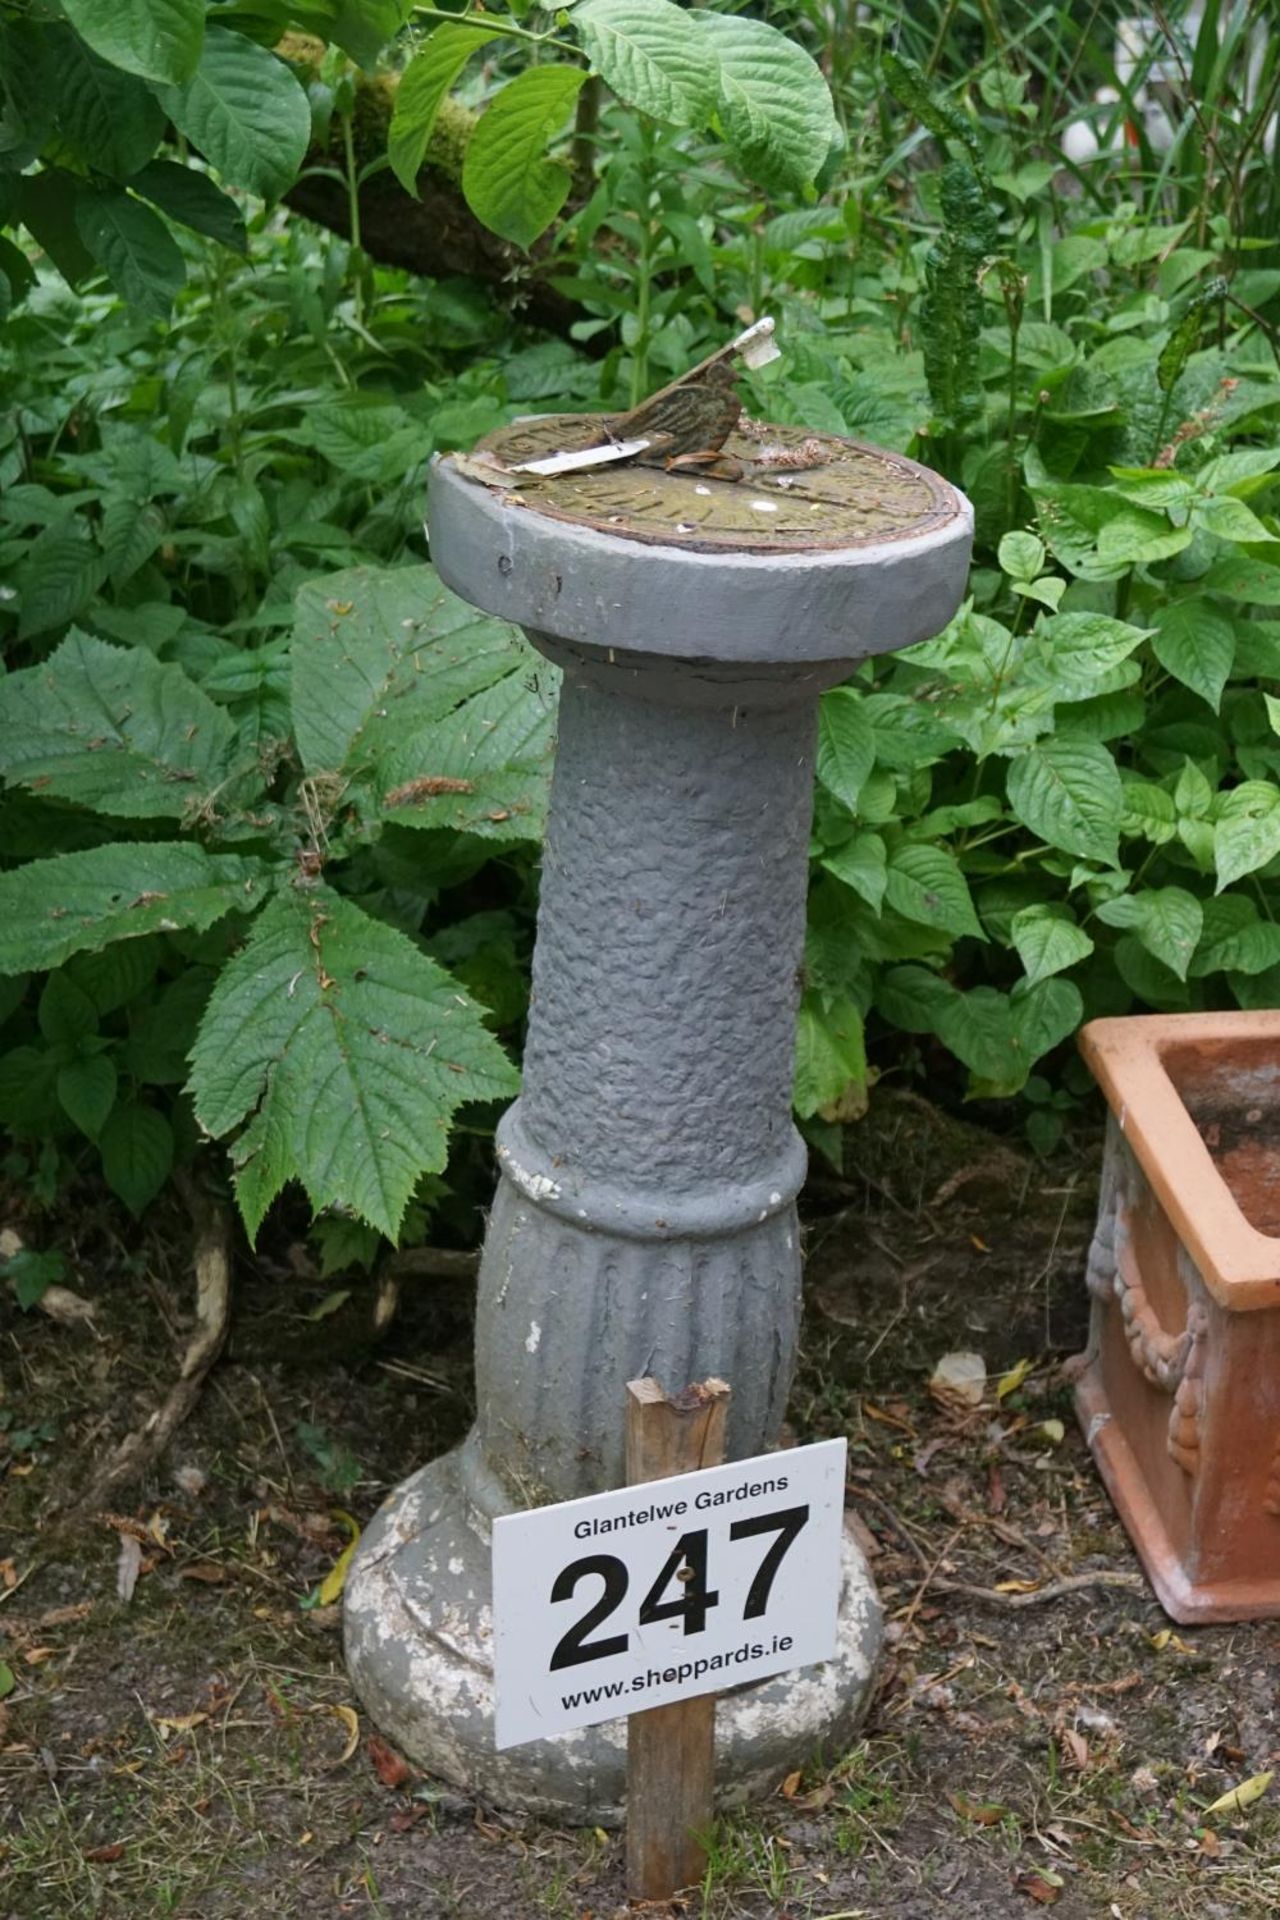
{"x":419,"y":1650}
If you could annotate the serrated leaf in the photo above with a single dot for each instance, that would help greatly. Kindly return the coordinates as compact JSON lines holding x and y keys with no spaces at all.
{"x":245,"y":112}
{"x":110,"y":119}
{"x":59,"y":575}
{"x":367,"y":439}
{"x":423,"y":86}
{"x":1197,"y":645}
{"x":1246,"y":834}
{"x":650,"y":54}
{"x":65,"y":1012}
{"x":346,"y":1050}
{"x":862,"y":864}
{"x":1069,"y":793}
{"x":191,"y":198}
{"x":134,"y":247}
{"x":79,"y":902}
{"x":445,"y":715}
{"x":156,"y":39}
{"x":831,"y":1060}
{"x":774,"y":106}
{"x":924,"y":884}
{"x":1047,"y":942}
{"x":113,"y":729}
{"x":136,"y":1146}
{"x":508,"y":180}
{"x":87,"y":1091}
{"x":846,"y":744}
{"x":1168,"y":921}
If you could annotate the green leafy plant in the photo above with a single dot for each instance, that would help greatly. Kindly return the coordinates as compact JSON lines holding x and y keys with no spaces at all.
{"x":224,"y":890}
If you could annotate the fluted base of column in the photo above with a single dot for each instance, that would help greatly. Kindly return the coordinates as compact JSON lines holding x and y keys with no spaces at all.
{"x":419,"y":1647}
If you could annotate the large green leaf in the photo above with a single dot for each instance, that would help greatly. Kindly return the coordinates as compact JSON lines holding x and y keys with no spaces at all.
{"x":59,"y":574}
{"x":924,"y":883}
{"x":157,"y":39}
{"x":831,"y":1060}
{"x":112,"y":729}
{"x":134,"y":247}
{"x":651,"y":55}
{"x":443,"y":715}
{"x":1197,"y":645}
{"x":1167,"y":920}
{"x":136,"y":1144}
{"x":246,"y":112}
{"x":423,"y":86}
{"x":1069,"y":792}
{"x":1047,"y":942}
{"x":1085,"y":647}
{"x":80,"y":902}
{"x":774,"y":107}
{"x":510,"y":182}
{"x":346,"y":1050}
{"x":190,"y":197}
{"x":999,"y":1037}
{"x":1234,"y":939}
{"x":862,"y":864}
{"x":109,"y":119}
{"x":1246,"y":834}
{"x":46,"y":205}
{"x":846,"y":744}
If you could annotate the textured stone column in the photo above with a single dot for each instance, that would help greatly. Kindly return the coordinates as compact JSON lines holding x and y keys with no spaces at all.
{"x":645,"y":1220}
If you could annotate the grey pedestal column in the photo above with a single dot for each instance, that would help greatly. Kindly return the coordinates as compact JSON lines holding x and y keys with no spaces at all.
{"x":645,"y":1220}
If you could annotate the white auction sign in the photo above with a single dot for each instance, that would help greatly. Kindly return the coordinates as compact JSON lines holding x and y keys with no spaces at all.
{"x":656,"y":1592}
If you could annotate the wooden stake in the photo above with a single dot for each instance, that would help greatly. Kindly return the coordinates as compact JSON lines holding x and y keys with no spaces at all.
{"x":671,"y":1750}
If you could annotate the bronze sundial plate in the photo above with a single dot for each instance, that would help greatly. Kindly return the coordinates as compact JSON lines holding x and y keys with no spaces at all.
{"x":853,"y":496}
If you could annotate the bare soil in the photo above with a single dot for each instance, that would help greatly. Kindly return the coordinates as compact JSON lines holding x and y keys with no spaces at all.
{"x":195,"y":1751}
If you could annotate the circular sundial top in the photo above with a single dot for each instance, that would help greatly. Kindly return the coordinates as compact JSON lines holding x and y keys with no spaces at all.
{"x":823,"y":550}
{"x":798,"y":491}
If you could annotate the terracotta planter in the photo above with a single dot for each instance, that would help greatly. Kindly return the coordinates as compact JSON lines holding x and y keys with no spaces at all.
{"x":1179,"y":1392}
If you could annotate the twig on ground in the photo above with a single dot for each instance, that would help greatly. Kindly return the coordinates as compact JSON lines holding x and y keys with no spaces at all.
{"x":1038,"y":1596}
{"x":212,"y":1262}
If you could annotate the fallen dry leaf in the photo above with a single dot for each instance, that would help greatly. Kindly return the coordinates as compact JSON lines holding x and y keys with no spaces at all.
{"x":336,"y":1578}
{"x":1075,"y":1748}
{"x":1010,"y":1382}
{"x":983,"y":1813}
{"x":959,"y":1380}
{"x":791,"y":1785}
{"x":104,"y":1856}
{"x":36,"y":1656}
{"x":1240,"y":1798}
{"x":1044,"y":1887}
{"x":178,"y":1723}
{"x":209,"y":1574}
{"x":391,"y":1768}
{"x":66,"y":1308}
{"x":1167,"y":1641}
{"x":347,"y":1715}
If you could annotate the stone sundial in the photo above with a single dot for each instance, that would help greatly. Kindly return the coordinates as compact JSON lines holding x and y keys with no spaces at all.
{"x":645,"y":1219}
{"x":845,"y":494}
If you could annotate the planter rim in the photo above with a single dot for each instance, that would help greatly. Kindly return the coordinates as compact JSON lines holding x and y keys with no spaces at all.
{"x":1240,"y":1266}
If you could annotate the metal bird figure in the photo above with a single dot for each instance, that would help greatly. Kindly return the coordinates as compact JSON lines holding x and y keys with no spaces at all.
{"x":694,"y":415}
